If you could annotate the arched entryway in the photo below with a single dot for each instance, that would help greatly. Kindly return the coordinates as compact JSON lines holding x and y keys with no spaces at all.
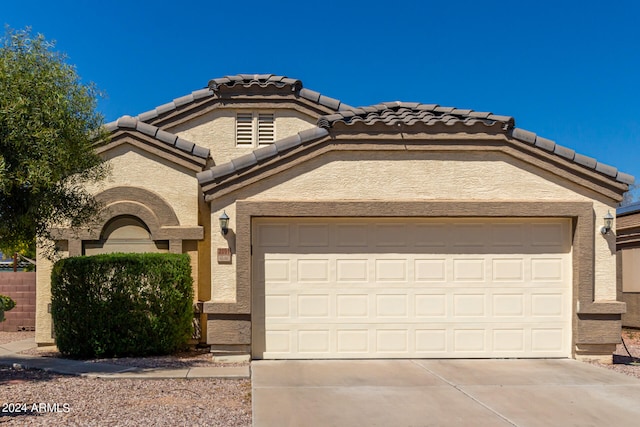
{"x":125,"y":233}
{"x":132,"y":218}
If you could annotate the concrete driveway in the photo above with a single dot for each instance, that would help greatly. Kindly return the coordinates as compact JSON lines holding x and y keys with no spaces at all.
{"x":442,"y":393}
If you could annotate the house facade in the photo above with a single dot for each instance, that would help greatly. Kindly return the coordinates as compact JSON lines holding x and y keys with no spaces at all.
{"x":628,"y":245}
{"x":398,"y":230}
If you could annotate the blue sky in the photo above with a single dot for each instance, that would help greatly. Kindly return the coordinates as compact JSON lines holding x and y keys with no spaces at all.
{"x":567,"y":70}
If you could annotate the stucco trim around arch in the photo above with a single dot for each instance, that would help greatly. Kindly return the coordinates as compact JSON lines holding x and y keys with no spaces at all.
{"x":150,"y":208}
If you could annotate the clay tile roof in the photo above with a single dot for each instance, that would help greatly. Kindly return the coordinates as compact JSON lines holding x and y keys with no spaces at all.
{"x":388,"y":113}
{"x":176,"y":103}
{"x":569,"y":154}
{"x":260,"y":155}
{"x":129,"y":123}
{"x":409,"y":113}
{"x":247,"y":80}
{"x":270,"y":80}
{"x":244,"y":81}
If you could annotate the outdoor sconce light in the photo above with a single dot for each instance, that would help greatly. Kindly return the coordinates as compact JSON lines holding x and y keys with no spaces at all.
{"x":224,"y":223}
{"x":608,"y":223}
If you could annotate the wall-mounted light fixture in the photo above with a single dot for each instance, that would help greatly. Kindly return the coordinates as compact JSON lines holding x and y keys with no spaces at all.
{"x":224,"y":223}
{"x":608,"y":223}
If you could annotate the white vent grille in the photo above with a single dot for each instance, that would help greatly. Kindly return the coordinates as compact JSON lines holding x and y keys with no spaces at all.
{"x":244,"y":129}
{"x":266,"y":128}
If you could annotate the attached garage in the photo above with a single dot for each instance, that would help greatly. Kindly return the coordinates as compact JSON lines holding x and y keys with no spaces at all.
{"x":406,"y":230}
{"x":411,"y":288}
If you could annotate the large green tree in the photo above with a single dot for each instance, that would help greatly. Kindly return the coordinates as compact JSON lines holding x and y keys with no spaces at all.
{"x":48,"y":124}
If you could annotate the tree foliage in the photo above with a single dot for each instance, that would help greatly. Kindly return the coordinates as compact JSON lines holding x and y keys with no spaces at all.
{"x":48,"y":122}
{"x":6,"y":304}
{"x":631,"y":196}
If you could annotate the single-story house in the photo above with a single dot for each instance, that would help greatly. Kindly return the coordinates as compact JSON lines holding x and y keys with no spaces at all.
{"x":396,"y":230}
{"x":628,"y":244}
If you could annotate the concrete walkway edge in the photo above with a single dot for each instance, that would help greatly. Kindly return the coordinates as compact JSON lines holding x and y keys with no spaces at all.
{"x":9,"y":356}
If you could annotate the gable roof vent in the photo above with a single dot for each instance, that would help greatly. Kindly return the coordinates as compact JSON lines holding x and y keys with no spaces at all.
{"x":244,"y":129}
{"x":266,"y":128}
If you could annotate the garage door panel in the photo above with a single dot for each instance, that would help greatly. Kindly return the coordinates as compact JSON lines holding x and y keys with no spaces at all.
{"x":313,"y":341}
{"x":391,"y":270}
{"x":433,"y":235}
{"x":505,"y":305}
{"x":431,"y":342}
{"x":390,"y":235}
{"x":313,"y":270}
{"x":352,"y":270}
{"x":277,"y":270}
{"x":416,"y":288}
{"x":353,"y":306}
{"x":351,"y":235}
{"x":469,"y":270}
{"x":430,"y":305}
{"x":547,"y":339}
{"x":508,"y":269}
{"x":548,"y":305}
{"x":392,"y":306}
{"x":509,"y":340}
{"x":469,"y":236}
{"x":430,"y":270}
{"x":410,"y":340}
{"x":313,"y":235}
{"x":547,"y":269}
{"x":274,"y":235}
{"x":353,"y":341}
{"x":509,"y":236}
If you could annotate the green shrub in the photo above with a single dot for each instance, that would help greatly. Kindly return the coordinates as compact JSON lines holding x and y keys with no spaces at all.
{"x":6,"y":304}
{"x":118,"y":305}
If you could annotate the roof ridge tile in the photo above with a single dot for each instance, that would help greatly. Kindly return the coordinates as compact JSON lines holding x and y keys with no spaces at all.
{"x":583,"y":160}
{"x":565,"y":152}
{"x":265,"y":152}
{"x":146,"y":128}
{"x":545,"y":143}
{"x":607,"y":169}
{"x":131,"y":123}
{"x":260,"y":154}
{"x":625,"y":178}
{"x":287,"y":143}
{"x":245,"y":161}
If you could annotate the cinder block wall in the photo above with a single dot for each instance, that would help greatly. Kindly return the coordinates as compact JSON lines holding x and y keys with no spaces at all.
{"x":21,"y":287}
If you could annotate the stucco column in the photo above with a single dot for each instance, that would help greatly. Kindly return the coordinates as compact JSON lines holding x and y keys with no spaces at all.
{"x":175,"y":246}
{"x":75,"y":247}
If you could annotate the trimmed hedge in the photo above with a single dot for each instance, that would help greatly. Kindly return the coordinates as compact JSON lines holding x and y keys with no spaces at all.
{"x":118,"y":305}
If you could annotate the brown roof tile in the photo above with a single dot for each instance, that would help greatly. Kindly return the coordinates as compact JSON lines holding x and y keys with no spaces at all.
{"x":131,"y":123}
{"x":410,"y":113}
{"x":388,"y":113}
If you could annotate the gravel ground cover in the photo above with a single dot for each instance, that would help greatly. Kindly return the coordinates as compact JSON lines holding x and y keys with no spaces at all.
{"x":62,"y":400}
{"x":7,"y":337}
{"x":623,"y":362}
{"x":186,"y":359}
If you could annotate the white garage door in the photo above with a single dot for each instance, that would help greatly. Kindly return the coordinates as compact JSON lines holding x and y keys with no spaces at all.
{"x":408,"y":288}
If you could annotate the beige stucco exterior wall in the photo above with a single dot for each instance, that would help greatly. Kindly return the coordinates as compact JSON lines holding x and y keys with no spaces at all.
{"x":43,"y":296}
{"x":216,"y":130}
{"x":401,"y":176}
{"x":133,"y":167}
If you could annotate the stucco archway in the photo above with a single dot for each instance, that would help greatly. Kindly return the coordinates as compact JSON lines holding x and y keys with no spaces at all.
{"x":152,"y":210}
